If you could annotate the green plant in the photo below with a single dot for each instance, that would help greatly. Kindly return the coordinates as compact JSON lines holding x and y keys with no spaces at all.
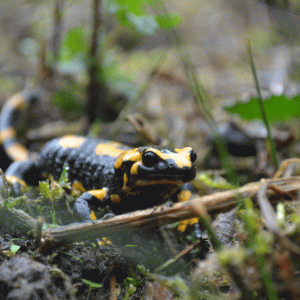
{"x":91,"y":286}
{"x":12,"y":250}
{"x":279,"y":108}
{"x":132,"y":13}
{"x":97,"y":60}
{"x":259,"y":242}
{"x":55,"y":190}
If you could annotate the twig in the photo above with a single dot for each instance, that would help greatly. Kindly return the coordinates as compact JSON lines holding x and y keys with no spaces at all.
{"x":285,"y":164}
{"x":16,"y":218}
{"x":39,"y":231}
{"x":178,"y":256}
{"x":113,"y":288}
{"x":218,"y":202}
{"x":149,"y":291}
{"x":269,"y":216}
{"x":266,"y":209}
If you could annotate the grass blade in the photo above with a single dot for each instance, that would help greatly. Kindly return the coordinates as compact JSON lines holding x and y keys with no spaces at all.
{"x":200,"y":96}
{"x":262,"y":108}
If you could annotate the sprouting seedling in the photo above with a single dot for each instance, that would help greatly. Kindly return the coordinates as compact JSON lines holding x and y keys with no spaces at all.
{"x":91,"y":286}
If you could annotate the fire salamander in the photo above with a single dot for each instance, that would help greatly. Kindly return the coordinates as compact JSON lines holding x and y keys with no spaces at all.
{"x":108,"y":173}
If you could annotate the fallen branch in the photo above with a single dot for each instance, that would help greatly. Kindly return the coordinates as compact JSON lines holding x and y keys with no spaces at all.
{"x":158,"y":216}
{"x":16,"y":219}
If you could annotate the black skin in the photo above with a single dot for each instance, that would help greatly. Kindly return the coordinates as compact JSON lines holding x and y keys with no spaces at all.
{"x":162,"y":177}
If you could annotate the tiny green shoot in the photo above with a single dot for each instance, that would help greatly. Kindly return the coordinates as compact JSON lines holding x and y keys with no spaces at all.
{"x":91,"y":286}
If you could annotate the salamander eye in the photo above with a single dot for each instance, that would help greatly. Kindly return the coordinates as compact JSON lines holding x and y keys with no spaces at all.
{"x":150,"y":159}
{"x":193,"y":155}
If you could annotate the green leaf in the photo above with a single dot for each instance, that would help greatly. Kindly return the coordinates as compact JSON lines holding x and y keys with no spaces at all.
{"x":134,"y":6}
{"x":130,"y":6}
{"x":64,"y":175}
{"x":129,"y":280}
{"x":278,"y":108}
{"x":14,"y":248}
{"x":168,"y":21}
{"x":132,"y":13}
{"x":73,"y":43}
{"x":91,"y":284}
{"x":45,"y":189}
{"x":76,"y":257}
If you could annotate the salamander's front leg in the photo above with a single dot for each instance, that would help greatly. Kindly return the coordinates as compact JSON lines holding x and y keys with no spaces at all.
{"x":185,"y":195}
{"x":87,"y":201}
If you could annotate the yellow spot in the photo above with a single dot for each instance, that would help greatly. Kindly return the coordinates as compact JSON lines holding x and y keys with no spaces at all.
{"x":181,"y":157}
{"x":78,"y":186}
{"x":129,"y":155}
{"x":99,"y":194}
{"x":125,"y":179}
{"x":17,"y":152}
{"x":7,"y":133}
{"x":109,"y":149}
{"x":104,"y":242}
{"x":193,"y":221}
{"x":115,"y":198}
{"x":16,"y":101}
{"x":12,"y":179}
{"x":134,"y":168}
{"x":93,"y":216}
{"x":184,"y":223}
{"x":71,"y":141}
{"x":184,"y":195}
{"x":186,"y":150}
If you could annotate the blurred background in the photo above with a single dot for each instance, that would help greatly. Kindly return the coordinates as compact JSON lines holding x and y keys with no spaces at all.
{"x":177,"y":73}
{"x":88,"y":66}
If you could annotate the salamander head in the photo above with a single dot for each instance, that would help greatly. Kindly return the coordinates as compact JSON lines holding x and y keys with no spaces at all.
{"x":147,"y":166}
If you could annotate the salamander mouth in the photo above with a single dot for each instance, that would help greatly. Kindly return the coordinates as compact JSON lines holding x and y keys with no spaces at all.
{"x":162,"y":178}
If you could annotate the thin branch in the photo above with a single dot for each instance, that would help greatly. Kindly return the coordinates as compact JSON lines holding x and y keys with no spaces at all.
{"x":17,"y":219}
{"x":218,"y":202}
{"x":57,"y":28}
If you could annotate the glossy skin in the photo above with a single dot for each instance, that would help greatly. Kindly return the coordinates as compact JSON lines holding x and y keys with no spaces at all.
{"x":108,"y":173}
{"x":136,"y":179}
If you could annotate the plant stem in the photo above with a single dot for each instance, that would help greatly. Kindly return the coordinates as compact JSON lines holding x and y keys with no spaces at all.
{"x":96,"y":90}
{"x":200,"y":96}
{"x":57,"y":24}
{"x":262,"y":108}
